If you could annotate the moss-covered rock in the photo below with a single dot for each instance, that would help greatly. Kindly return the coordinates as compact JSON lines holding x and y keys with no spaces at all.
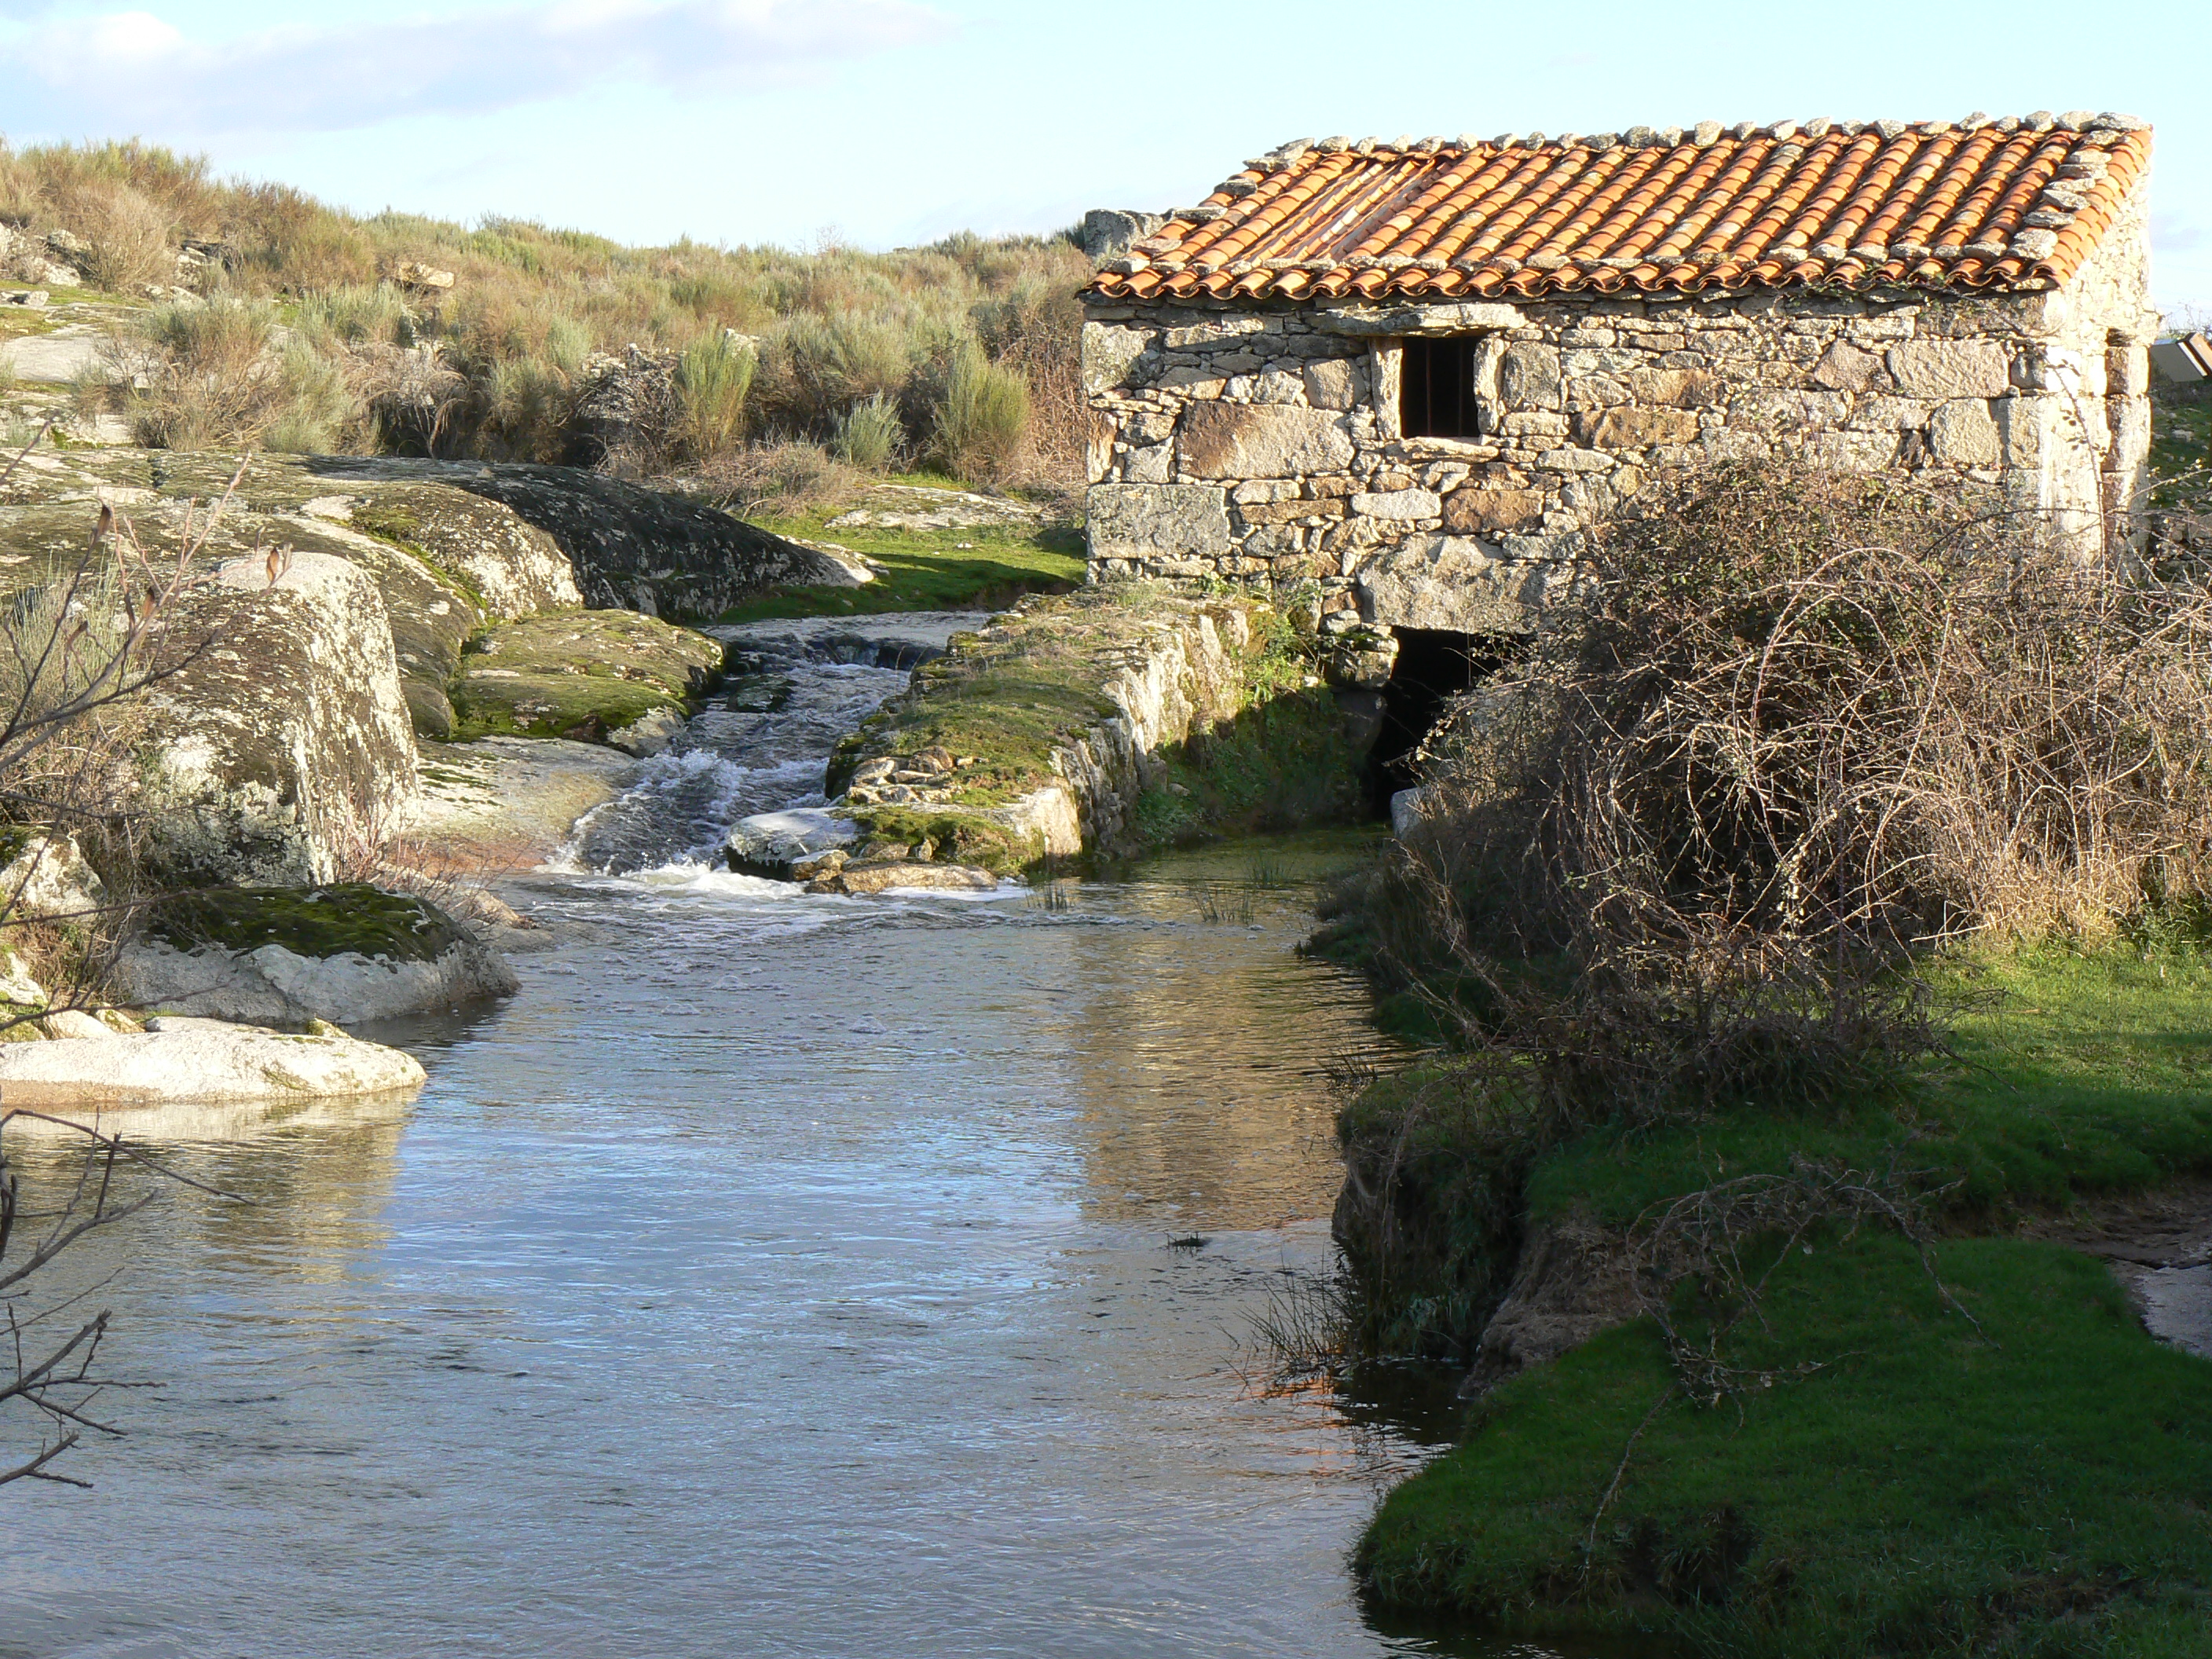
{"x":1104,"y":722}
{"x":314,"y":922}
{"x":289,"y":958}
{"x":582,"y":674}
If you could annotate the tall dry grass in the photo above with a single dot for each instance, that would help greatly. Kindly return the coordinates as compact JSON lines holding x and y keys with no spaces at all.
{"x":502,"y":362}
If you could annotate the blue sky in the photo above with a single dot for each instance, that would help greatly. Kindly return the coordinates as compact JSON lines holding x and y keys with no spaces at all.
{"x":887,"y":122}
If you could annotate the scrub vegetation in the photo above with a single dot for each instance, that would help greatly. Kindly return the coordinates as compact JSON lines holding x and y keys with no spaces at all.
{"x":333,"y":332}
{"x":1819,"y":909}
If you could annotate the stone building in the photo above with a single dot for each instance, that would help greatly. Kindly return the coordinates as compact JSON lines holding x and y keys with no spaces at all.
{"x":1413,"y":374}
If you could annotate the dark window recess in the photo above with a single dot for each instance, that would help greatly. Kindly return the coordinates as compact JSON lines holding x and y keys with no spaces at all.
{"x":1436,"y":389}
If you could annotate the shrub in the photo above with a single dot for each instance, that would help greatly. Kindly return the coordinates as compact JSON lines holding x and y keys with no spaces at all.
{"x":712,"y":376}
{"x":981,"y":419}
{"x":869,"y":435}
{"x":778,"y":480}
{"x":835,"y":327}
{"x":320,"y":413}
{"x":1802,"y":727}
{"x":208,"y":380}
{"x":819,"y":366}
{"x":128,"y":239}
{"x":357,"y":313}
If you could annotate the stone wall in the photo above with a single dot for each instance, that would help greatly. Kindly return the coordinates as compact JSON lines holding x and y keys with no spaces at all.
{"x":1261,"y":445}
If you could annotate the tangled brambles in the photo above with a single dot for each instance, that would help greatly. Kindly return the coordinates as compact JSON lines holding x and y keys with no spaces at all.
{"x":1804,"y":726}
{"x":1679,"y":857}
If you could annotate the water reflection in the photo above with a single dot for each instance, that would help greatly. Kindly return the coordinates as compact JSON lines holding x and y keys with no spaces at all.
{"x":772,"y":1277}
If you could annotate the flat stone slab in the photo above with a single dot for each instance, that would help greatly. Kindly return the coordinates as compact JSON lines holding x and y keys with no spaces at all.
{"x":54,"y":359}
{"x":914,"y":507}
{"x":769,"y":844}
{"x":858,"y":879}
{"x":189,"y":1061}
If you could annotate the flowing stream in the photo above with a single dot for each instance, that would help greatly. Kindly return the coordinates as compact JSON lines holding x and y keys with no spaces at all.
{"x":773,"y":1275}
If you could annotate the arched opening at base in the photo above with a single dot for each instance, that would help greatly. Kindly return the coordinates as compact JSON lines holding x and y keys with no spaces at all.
{"x":1433,"y":667}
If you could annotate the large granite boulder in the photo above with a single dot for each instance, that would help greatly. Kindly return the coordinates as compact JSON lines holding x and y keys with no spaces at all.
{"x":428,"y":613}
{"x":282,"y":744}
{"x":507,"y":566}
{"x":632,"y":547}
{"x":344,"y":953}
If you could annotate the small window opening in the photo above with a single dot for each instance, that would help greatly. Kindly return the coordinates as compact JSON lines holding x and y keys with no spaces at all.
{"x":1438,"y":394}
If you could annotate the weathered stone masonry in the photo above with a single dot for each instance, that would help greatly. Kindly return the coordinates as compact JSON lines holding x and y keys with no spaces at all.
{"x":1260,"y":443}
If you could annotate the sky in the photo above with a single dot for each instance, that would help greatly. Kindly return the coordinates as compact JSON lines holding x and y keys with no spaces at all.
{"x":886,"y":122}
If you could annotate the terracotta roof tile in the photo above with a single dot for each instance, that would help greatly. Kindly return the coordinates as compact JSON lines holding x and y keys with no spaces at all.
{"x":1983,"y":204}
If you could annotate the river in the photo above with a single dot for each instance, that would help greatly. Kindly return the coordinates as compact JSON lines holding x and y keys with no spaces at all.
{"x":772,"y":1275}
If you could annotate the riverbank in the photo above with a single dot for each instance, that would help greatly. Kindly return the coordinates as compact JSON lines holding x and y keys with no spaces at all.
{"x":1982,"y":1453}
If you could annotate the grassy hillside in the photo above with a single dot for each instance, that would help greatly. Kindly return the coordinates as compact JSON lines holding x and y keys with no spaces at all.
{"x":962,"y":353}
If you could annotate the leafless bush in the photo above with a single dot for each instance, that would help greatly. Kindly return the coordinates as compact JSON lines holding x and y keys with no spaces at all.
{"x":1809,"y":706}
{"x":414,"y":395}
{"x":1801,"y":727}
{"x":776,"y":480}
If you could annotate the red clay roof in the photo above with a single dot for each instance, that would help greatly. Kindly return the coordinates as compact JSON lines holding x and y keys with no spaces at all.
{"x":1981,"y":204}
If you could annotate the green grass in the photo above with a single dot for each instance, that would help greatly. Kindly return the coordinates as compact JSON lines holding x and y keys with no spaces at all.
{"x":2038,"y":1490}
{"x":2181,"y":444}
{"x":2039,"y":1493}
{"x":2077,"y":1073}
{"x":927,"y":569}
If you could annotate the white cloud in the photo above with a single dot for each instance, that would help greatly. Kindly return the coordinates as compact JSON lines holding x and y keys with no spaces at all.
{"x":132,"y":71}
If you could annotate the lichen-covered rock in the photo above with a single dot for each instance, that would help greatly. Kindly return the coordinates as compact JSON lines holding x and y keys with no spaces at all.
{"x":503,"y":563}
{"x":48,"y":876}
{"x":346,"y":953}
{"x":582,"y":674}
{"x":429,"y":614}
{"x":283,"y":744}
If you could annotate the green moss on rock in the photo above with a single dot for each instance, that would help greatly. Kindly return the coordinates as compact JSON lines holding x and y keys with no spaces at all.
{"x":310,"y":921}
{"x":580,"y":673}
{"x":952,"y":837}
